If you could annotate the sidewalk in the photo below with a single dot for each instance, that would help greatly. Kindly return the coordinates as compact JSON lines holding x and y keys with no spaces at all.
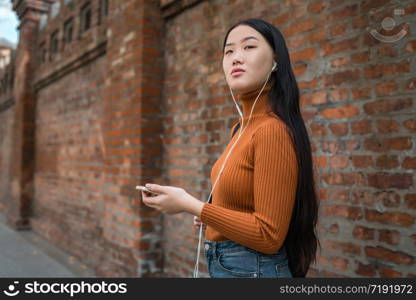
{"x":26,"y":254}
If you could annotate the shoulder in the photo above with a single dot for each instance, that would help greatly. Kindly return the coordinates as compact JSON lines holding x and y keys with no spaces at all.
{"x":272,"y":126}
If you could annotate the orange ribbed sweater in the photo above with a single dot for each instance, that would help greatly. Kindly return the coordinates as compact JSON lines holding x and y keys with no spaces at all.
{"x":253,"y":200}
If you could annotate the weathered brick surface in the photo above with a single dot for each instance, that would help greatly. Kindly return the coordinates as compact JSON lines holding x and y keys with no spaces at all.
{"x":141,"y":97}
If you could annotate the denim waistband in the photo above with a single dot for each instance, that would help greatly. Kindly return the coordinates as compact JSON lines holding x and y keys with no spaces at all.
{"x":228,"y":245}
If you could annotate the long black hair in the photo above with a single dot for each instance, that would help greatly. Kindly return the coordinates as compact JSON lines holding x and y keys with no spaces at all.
{"x":301,"y":240}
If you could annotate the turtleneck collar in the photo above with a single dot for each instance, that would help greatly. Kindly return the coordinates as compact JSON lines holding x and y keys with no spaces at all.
{"x":262,"y":106}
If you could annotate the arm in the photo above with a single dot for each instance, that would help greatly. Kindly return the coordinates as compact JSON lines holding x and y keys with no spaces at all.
{"x":275,"y":181}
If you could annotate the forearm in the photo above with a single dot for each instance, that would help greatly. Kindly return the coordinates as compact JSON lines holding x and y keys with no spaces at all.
{"x":251,"y":229}
{"x":194,"y":206}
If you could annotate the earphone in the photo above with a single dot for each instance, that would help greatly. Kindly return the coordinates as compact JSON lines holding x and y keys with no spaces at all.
{"x":195,"y":275}
{"x":274,"y":66}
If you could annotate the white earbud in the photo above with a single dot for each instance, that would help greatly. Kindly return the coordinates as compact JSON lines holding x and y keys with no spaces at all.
{"x":274,"y":66}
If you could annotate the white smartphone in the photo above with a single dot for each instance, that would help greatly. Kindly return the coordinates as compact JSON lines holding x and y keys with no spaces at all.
{"x":145,"y":189}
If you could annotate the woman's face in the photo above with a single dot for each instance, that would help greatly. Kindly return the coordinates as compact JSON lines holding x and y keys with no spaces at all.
{"x":246,"y":49}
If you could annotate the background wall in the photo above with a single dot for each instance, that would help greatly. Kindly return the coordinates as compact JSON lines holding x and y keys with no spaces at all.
{"x":141,"y":97}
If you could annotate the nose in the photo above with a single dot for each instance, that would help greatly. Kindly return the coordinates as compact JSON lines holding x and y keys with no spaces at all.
{"x":236,"y":56}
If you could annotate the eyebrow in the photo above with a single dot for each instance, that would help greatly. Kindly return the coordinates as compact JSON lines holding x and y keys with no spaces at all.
{"x":244,"y":39}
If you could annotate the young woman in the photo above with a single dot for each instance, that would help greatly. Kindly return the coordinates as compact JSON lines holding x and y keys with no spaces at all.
{"x":263,"y":215}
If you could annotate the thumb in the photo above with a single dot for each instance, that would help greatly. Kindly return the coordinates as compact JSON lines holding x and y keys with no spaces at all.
{"x":155,"y":187}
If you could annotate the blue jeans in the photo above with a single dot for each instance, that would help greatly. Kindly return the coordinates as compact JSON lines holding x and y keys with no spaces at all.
{"x":228,"y":259}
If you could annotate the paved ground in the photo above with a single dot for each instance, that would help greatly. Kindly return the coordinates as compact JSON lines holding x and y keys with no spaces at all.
{"x":26,"y":254}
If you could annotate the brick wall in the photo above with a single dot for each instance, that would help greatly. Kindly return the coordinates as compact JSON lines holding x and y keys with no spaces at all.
{"x":357,"y":100}
{"x":6,"y":123}
{"x":141,"y":97}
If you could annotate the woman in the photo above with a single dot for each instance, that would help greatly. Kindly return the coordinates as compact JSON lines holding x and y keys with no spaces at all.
{"x":262,"y":220}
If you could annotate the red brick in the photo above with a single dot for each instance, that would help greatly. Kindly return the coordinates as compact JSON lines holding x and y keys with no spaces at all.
{"x":379,"y":145}
{"x":361,"y":93}
{"x":339,"y":62}
{"x":374,"y":4}
{"x":343,"y":247}
{"x":344,"y":179}
{"x":303,"y":55}
{"x":314,"y":98}
{"x":363,"y":233}
{"x":317,"y":35}
{"x":361,"y":127}
{"x":387,"y":162}
{"x":320,"y":162}
{"x":410,"y":125}
{"x":281,"y":19}
{"x":368,"y":270}
{"x":360,"y":22}
{"x":398,"y":181}
{"x":352,"y":213}
{"x":388,"y":198}
{"x":362,"y":161}
{"x":346,"y":111}
{"x":409,"y":163}
{"x":339,"y":263}
{"x":344,"y":46}
{"x":393,"y":218}
{"x":389,"y":273}
{"x":339,"y":94}
{"x":410,"y":200}
{"x":334,"y":228}
{"x":411,"y":46}
{"x":411,"y":84}
{"x":317,"y":7}
{"x":339,"y":195}
{"x":339,"y":129}
{"x":363,"y":196}
{"x":391,"y":237}
{"x":385,"y":254}
{"x":339,"y":162}
{"x":386,"y":88}
{"x":341,"y":77}
{"x":360,"y":57}
{"x":300,"y":69}
{"x":338,"y":29}
{"x":381,"y":70}
{"x":318,"y":129}
{"x":299,"y":27}
{"x":383,"y":106}
{"x":345,"y":12}
{"x":388,"y":126}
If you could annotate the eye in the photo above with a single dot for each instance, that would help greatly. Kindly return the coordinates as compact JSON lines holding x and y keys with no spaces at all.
{"x":226,"y":52}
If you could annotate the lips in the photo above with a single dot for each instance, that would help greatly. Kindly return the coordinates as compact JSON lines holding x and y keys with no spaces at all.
{"x":237,"y":71}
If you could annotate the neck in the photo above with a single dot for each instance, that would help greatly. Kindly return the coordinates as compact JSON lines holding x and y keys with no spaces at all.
{"x":262,"y":106}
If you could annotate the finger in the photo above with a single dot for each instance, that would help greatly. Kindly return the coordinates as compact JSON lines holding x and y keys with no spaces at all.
{"x":151,"y":201}
{"x":155,"y":188}
{"x":197,"y":222}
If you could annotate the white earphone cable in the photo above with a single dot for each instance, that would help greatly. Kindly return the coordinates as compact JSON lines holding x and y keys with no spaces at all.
{"x":196,"y":268}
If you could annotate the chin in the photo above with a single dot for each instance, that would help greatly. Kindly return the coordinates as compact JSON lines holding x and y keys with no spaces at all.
{"x":238,"y":86}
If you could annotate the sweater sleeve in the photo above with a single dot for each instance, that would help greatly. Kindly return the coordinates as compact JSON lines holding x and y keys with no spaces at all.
{"x":275,"y":181}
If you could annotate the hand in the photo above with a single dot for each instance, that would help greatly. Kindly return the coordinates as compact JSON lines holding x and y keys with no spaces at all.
{"x":198,"y":223}
{"x":171,"y":199}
